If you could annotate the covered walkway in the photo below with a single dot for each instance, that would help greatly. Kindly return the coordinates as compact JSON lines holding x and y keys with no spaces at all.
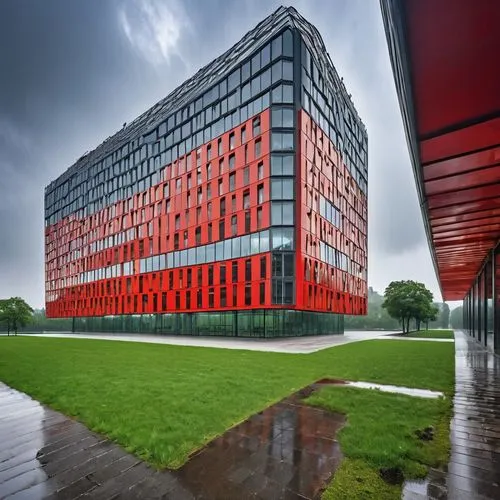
{"x":442,"y":54}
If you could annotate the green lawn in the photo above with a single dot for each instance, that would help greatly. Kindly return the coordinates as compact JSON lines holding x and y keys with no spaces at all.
{"x":432,"y":334}
{"x":162,"y":402}
{"x":381,"y":434}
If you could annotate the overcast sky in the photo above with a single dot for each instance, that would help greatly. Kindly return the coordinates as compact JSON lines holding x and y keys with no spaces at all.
{"x":72,"y":72}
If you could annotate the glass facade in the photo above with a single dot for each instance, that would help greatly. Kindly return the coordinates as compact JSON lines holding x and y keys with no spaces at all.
{"x":481,"y":306}
{"x":198,"y":216}
{"x":259,"y":323}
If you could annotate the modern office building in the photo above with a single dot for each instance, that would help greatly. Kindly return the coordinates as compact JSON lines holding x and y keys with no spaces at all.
{"x":235,"y":206}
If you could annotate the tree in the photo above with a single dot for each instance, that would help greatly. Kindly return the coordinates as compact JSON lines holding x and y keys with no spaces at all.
{"x":406,"y":300}
{"x":15,"y":313}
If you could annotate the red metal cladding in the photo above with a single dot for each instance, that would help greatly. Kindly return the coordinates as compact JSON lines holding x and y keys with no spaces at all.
{"x":457,"y":117}
{"x":322,"y":287}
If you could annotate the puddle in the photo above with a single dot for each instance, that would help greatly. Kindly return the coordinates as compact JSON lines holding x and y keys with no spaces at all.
{"x":433,"y":486}
{"x":420,"y":393}
{"x":289,"y":450}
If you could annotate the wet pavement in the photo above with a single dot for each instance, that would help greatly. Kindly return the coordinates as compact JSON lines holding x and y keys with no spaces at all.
{"x":473,"y":472}
{"x":299,"y":345}
{"x":287,"y":451}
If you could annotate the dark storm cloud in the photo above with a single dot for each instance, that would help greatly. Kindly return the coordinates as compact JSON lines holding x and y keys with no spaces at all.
{"x":73,"y":71}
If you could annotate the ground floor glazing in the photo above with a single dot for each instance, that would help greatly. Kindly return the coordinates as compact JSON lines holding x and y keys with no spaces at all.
{"x":260,"y":323}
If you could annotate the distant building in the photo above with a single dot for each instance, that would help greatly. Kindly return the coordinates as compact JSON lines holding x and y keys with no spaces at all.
{"x":235,"y":206}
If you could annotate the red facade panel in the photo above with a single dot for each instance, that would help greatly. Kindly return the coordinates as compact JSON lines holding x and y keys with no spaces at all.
{"x":321,"y":286}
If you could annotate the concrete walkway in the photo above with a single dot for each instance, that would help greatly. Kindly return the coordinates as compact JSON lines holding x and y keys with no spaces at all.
{"x":301,"y":345}
{"x":419,"y":339}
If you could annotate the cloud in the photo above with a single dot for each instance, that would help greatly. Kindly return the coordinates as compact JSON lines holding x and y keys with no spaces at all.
{"x":154,"y":28}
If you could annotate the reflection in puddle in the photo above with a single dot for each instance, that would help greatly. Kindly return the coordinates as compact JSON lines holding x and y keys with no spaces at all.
{"x":408,"y":391}
{"x":288,"y":450}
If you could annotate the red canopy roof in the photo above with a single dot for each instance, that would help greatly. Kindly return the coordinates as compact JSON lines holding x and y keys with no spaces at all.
{"x":446,"y":60}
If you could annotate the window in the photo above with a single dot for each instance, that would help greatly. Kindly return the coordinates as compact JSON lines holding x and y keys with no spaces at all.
{"x":231,"y":161}
{"x":222,"y":275}
{"x":188,"y":299}
{"x":288,"y":266}
{"x":243,"y":135}
{"x":246,"y":176}
{"x":199,"y":195}
{"x":209,"y":191}
{"x":232,"y":181}
{"x":281,"y":141}
{"x":257,"y":149}
{"x":234,"y":225}
{"x":233,"y":203}
{"x":282,"y":117}
{"x":247,"y":221}
{"x":199,"y":302}
{"x":246,"y":199}
{"x":282,"y":189}
{"x":282,"y":165}
{"x":189,"y":278}
{"x":277,"y":265}
{"x":248,"y":295}
{"x":221,"y":189}
{"x":209,"y":151}
{"x":222,"y":296}
{"x":222,"y":232}
{"x":262,"y":293}
{"x":282,"y":213}
{"x":177,"y":222}
{"x":235,"y":295}
{"x":288,"y":295}
{"x":260,"y":193}
{"x":287,"y":43}
{"x":197,"y":235}
{"x":221,"y":166}
{"x":263,"y":267}
{"x":200,"y":276}
{"x":177,"y":300}
{"x":231,"y":141}
{"x":209,"y":232}
{"x":234,"y":272}
{"x":222,"y":207}
{"x":210,"y":275}
{"x":209,"y":171}
{"x":248,"y":270}
{"x":256,"y":126}
{"x":260,"y":170}
{"x":259,"y":217}
{"x":219,"y":147}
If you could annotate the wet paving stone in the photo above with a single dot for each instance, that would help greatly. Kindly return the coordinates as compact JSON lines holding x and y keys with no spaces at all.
{"x":288,"y":451}
{"x":473,"y":472}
